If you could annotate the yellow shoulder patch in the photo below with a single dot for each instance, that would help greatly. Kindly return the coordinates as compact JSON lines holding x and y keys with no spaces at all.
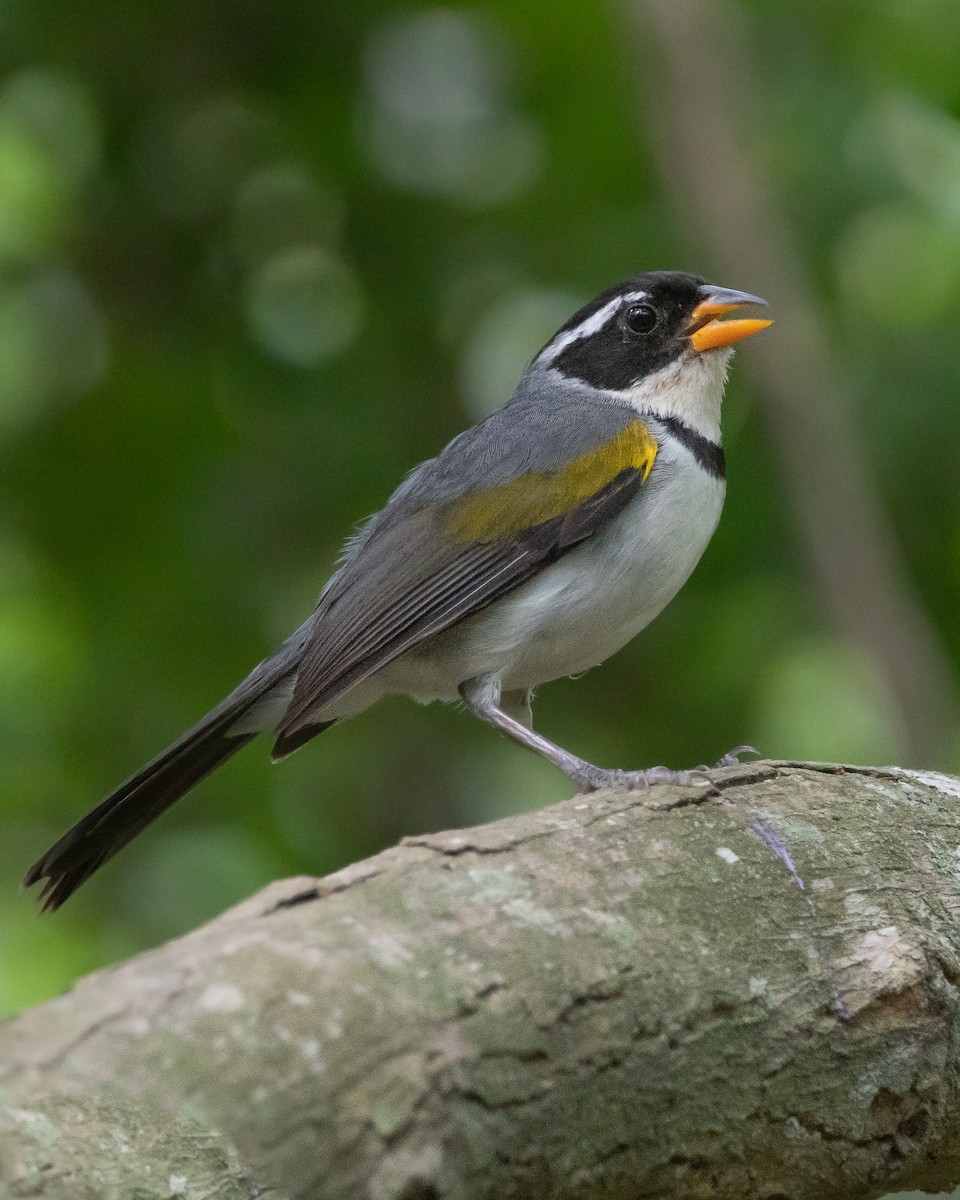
{"x":538,"y":496}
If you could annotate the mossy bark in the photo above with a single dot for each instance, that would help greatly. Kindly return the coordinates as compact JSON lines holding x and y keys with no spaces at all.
{"x":745,"y":992}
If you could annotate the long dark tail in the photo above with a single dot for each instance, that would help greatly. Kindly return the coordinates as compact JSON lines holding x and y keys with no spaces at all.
{"x":127,"y":811}
{"x":141,"y":799}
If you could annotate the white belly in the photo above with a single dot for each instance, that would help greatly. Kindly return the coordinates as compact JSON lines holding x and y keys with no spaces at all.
{"x":584,"y":607}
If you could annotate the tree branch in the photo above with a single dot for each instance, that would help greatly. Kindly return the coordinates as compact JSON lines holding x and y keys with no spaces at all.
{"x":746,"y":993}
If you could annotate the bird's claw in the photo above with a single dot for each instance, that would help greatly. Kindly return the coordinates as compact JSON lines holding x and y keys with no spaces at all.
{"x":732,"y":757}
{"x":593,"y":779}
{"x":589,"y":778}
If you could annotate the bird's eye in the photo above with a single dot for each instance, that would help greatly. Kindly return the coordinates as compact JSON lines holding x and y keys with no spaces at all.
{"x":640,"y":318}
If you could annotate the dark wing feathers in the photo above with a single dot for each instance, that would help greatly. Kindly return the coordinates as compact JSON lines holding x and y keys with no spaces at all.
{"x":361,"y":625}
{"x":404,"y":578}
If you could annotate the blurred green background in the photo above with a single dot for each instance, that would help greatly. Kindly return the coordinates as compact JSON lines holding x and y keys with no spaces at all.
{"x":258,"y":259}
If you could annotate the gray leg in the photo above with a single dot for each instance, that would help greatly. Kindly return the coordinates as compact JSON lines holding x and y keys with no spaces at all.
{"x":482,"y":697}
{"x":518,"y":705}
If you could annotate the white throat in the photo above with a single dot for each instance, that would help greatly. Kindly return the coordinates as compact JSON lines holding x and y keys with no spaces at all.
{"x":690,"y":389}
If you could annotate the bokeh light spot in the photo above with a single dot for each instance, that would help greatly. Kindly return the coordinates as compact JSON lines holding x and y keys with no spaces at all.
{"x":822,"y":700}
{"x":504,"y":340}
{"x":32,"y":201}
{"x":901,"y":264}
{"x":438,"y":119}
{"x":59,"y":113}
{"x":924,"y":146}
{"x":304,"y":305}
{"x":283,"y":206}
{"x":192,"y":159}
{"x":53,"y":345}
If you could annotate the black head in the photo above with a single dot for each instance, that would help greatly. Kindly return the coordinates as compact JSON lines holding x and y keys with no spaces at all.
{"x":637,"y":328}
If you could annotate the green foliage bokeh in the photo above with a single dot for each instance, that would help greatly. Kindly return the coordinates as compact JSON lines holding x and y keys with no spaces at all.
{"x":259,"y":259}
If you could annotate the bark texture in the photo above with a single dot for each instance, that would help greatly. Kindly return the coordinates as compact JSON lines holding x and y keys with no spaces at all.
{"x":745,"y":992}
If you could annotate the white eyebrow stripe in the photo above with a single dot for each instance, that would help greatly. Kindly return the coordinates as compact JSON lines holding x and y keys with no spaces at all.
{"x":592,"y":324}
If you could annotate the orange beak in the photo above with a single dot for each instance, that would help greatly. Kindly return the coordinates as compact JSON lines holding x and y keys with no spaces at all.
{"x":707,"y":333}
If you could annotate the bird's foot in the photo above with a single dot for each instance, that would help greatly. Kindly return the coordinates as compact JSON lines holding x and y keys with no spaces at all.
{"x":589,"y":778}
{"x":732,"y":757}
{"x":594,"y":779}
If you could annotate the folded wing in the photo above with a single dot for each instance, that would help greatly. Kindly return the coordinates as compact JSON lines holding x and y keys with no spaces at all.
{"x":431,"y":564}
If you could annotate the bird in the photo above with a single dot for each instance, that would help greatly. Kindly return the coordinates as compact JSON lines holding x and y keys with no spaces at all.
{"x":533,"y":546}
